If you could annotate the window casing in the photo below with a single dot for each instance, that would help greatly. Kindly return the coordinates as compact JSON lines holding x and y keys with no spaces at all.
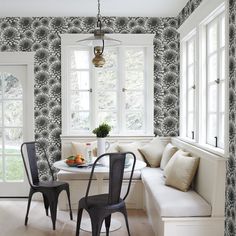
{"x":120,"y":93}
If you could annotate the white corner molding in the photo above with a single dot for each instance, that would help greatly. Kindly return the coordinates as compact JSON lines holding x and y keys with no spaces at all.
{"x":200,"y":13}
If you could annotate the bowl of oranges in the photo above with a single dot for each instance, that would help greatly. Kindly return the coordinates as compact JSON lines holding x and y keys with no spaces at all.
{"x":74,"y":161}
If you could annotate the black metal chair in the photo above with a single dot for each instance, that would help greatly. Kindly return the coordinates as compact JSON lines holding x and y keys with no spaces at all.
{"x":50,"y":189}
{"x":100,"y":207}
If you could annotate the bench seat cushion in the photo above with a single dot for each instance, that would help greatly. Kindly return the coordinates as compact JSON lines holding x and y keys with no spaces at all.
{"x":171,"y":202}
{"x":66,"y":175}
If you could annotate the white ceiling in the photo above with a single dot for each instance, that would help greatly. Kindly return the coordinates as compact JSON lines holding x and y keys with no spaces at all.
{"x":154,"y":8}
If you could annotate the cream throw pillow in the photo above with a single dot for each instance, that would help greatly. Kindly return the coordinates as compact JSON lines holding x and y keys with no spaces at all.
{"x":182,"y":172}
{"x":167,"y":154}
{"x":131,"y":147}
{"x":152,"y":152}
{"x":80,"y":148}
{"x":171,"y":161}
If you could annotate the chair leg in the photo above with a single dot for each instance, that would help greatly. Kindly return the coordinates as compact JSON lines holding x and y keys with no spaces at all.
{"x":79,"y":216}
{"x":96,"y":222}
{"x":53,"y":210}
{"x":28,"y":206}
{"x":124,"y":212}
{"x":68,"y":196}
{"x":107,"y":224}
{"x":46,"y":203}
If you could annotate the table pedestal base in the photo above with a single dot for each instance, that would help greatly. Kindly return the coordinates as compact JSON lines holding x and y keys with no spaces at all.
{"x":86,"y":225}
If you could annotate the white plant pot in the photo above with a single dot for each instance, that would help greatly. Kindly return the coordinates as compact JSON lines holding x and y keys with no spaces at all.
{"x":103,"y":146}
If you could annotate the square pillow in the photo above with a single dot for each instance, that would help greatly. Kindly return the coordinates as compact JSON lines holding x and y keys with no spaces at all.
{"x":167,"y":154}
{"x":172,"y":159}
{"x":131,"y":147}
{"x":80,"y":148}
{"x":182,"y":172}
{"x":152,"y":152}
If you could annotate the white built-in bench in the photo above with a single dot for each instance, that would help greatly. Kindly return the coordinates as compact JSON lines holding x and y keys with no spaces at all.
{"x":198,"y":212}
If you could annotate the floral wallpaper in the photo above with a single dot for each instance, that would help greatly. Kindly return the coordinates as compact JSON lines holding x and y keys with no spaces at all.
{"x":188,"y":10}
{"x":230,"y":222}
{"x":42,"y":35}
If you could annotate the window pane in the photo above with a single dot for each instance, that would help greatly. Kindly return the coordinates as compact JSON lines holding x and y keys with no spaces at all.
{"x":212,"y":37}
{"x":80,"y":100}
{"x":134,"y":80}
{"x":110,"y":118}
{"x":222,"y":65}
{"x":212,"y":68}
{"x":1,"y":141}
{"x":107,"y":100}
{"x":134,"y":100}
{"x":13,"y":113}
{"x":212,"y":98}
{"x":221,"y":130}
{"x":191,"y":52}
{"x":12,"y":87}
{"x":222,"y":96}
{"x":79,"y":59}
{"x":134,"y":59}
{"x":211,"y":128}
{"x":134,"y":120}
{"x":191,"y":105}
{"x":13,"y":140}
{"x":1,"y":114}
{"x":107,"y":79}
{"x":1,"y":169}
{"x":190,"y":126}
{"x":222,"y":33}
{"x":79,"y":80}
{"x":191,"y":81}
{"x":80,"y":121}
{"x":110,"y":55}
{"x":14,"y":168}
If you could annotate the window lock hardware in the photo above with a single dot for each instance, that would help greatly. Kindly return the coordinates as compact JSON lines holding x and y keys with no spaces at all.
{"x":90,"y":90}
{"x":192,"y":134}
{"x":124,"y":89}
{"x":194,"y":86}
{"x":217,"y":81}
{"x":216,"y":141}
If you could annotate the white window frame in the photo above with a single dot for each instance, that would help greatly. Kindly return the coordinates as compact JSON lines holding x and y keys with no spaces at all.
{"x":128,"y":40}
{"x":184,"y":85}
{"x":197,"y":21}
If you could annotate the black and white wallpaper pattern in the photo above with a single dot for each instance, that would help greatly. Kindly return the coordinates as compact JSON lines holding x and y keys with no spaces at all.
{"x":188,"y":10}
{"x":230,"y":222}
{"x":42,"y":35}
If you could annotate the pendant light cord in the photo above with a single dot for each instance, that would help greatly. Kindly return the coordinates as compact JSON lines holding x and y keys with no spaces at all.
{"x":99,"y":25}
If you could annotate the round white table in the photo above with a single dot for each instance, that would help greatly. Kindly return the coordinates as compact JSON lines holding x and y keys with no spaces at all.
{"x":100,"y":172}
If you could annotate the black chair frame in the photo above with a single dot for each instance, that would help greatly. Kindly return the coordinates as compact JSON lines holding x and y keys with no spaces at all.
{"x":100,"y":207}
{"x":50,"y":189}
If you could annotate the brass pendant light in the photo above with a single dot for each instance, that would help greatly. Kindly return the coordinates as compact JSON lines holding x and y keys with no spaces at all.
{"x":98,"y":41}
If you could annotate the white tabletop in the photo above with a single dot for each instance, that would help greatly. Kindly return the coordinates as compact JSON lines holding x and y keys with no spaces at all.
{"x":61,"y":165}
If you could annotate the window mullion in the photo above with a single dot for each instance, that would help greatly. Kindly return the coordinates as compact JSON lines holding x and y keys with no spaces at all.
{"x":93,"y":95}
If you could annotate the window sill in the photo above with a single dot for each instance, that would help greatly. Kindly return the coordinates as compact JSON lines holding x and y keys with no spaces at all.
{"x":206,"y":147}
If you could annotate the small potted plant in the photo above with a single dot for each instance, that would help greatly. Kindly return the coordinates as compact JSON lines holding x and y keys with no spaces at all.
{"x":102,"y":132}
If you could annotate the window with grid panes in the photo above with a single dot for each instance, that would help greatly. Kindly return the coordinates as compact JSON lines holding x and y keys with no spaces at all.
{"x":116,"y":93}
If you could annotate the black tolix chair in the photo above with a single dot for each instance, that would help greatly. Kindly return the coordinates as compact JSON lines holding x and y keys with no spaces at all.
{"x":50,"y":189}
{"x":100,"y":207}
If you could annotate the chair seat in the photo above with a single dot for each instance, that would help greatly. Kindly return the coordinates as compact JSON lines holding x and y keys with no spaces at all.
{"x":98,"y":201}
{"x":50,"y":184}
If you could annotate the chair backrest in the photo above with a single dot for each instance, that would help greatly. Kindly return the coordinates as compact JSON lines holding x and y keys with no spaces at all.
{"x":28,"y":153}
{"x":116,"y":172}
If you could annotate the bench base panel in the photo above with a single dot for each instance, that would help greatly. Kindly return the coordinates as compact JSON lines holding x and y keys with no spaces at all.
{"x":184,"y":226}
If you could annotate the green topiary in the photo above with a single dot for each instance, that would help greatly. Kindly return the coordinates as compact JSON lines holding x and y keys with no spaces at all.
{"x":102,"y":130}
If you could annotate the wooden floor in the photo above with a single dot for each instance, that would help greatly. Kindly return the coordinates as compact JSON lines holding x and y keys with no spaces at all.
{"x":12,"y":215}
